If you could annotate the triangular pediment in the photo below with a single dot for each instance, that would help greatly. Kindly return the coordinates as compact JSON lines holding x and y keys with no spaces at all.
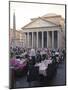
{"x":39,"y":22}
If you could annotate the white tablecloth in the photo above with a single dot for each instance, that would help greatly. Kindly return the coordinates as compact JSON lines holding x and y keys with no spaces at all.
{"x":43,"y":66}
{"x":22,"y":61}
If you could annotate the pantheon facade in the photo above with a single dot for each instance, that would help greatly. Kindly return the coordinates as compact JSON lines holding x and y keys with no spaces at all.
{"x":47,"y":31}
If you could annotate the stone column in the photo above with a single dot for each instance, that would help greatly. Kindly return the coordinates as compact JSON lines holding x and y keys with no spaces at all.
{"x":58,"y":39}
{"x":32,"y":39}
{"x":28,"y":38}
{"x":52,"y":39}
{"x":37,"y":39}
{"x":42,"y":40}
{"x":47,"y":39}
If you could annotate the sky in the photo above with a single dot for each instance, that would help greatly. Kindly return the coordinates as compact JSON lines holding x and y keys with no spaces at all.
{"x":25,"y":11}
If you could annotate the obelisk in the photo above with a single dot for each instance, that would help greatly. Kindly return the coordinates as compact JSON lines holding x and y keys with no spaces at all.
{"x":14,"y":30}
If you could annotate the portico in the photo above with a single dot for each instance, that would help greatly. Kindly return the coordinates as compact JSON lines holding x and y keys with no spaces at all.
{"x":42,"y":33}
{"x":42,"y":39}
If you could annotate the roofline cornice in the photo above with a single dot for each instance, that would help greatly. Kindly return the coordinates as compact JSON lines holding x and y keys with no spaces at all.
{"x":40,"y":27}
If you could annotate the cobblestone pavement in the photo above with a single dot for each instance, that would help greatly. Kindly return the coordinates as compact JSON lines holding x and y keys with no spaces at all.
{"x":58,"y":79}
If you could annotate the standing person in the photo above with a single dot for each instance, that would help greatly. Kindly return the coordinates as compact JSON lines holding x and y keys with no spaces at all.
{"x":33,"y":54}
{"x":44,"y":54}
{"x":38,"y":56}
{"x":57,"y":56}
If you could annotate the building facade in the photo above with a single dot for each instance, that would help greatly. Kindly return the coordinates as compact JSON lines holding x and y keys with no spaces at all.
{"x":17,"y":39}
{"x":47,"y":31}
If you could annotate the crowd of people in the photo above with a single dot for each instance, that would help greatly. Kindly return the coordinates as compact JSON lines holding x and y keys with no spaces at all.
{"x":25,"y":59}
{"x":39,"y":54}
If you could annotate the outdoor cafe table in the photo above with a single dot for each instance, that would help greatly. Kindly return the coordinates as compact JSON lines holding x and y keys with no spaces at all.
{"x":43,"y":65}
{"x":18,"y":64}
{"x":18,"y":67}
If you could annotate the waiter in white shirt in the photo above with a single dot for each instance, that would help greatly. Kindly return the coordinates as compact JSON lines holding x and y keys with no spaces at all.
{"x":32,"y":55}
